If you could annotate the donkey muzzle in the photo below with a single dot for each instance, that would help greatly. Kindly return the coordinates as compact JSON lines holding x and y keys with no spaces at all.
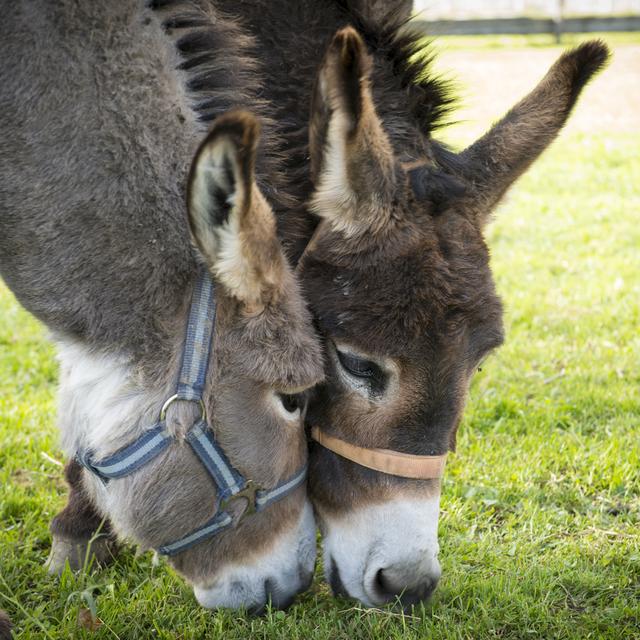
{"x":384,"y":552}
{"x":274,"y":577}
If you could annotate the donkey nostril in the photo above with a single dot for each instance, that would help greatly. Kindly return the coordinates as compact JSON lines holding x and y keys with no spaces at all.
{"x":418,"y":594}
{"x":383,"y":585}
{"x":408,"y":596}
{"x":276,"y":595}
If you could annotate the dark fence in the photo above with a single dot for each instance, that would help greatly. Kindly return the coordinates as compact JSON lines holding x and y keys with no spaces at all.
{"x":529,"y":25}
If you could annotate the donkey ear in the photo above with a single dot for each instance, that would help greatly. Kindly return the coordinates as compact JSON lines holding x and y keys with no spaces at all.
{"x":352,"y":163}
{"x":497,"y":159}
{"x":231,"y":223}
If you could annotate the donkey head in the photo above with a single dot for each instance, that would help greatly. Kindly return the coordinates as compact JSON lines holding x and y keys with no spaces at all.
{"x":265,"y":355}
{"x":397,"y":275}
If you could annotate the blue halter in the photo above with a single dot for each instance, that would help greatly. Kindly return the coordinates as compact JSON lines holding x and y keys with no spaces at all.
{"x":230,"y":483}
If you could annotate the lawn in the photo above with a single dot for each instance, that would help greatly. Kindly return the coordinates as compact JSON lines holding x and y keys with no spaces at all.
{"x":540,"y":524}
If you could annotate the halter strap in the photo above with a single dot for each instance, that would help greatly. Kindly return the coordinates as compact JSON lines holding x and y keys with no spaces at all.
{"x":204,"y":445}
{"x":130,"y":458}
{"x":223,"y":520}
{"x":395,"y":463}
{"x":198,"y":339}
{"x":230,"y":483}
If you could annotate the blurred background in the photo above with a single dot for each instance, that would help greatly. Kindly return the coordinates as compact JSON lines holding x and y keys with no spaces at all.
{"x":528,"y":16}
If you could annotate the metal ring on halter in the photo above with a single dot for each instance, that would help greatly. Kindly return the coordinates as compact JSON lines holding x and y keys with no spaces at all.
{"x":173,"y":398}
{"x":249,"y":493}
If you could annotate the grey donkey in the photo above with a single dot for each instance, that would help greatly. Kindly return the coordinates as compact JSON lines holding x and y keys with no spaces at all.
{"x":98,"y":129}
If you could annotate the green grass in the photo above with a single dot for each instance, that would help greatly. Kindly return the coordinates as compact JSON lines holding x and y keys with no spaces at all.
{"x":541,"y":505}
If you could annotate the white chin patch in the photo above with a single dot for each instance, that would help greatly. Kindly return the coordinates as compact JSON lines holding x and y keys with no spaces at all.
{"x":383,"y":550}
{"x":278,"y":575}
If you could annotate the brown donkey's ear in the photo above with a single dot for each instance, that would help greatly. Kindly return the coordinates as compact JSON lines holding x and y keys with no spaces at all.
{"x":352,"y":163}
{"x":493,"y":163}
{"x":230,"y":221}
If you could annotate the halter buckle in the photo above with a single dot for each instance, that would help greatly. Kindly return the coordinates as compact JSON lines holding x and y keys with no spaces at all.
{"x":174,"y":398}
{"x":249,"y":493}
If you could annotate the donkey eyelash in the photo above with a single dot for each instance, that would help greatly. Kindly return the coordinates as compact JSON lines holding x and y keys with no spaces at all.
{"x":356,"y":365}
{"x":360,"y":367}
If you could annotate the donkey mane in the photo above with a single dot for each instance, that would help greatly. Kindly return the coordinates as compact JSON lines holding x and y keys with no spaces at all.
{"x":221,"y":71}
{"x":430,"y":97}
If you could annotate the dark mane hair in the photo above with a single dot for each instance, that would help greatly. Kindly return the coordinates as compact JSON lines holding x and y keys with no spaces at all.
{"x":222,"y":71}
{"x":390,"y":35}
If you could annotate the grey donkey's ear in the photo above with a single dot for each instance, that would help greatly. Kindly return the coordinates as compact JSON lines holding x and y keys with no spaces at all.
{"x":221,"y":178}
{"x":495,"y":161}
{"x":231,"y":223}
{"x":352,"y":162}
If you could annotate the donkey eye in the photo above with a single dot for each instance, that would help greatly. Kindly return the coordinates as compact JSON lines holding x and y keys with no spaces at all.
{"x":363,"y":375}
{"x":359,"y":367}
{"x":290,"y":403}
{"x":356,"y":366}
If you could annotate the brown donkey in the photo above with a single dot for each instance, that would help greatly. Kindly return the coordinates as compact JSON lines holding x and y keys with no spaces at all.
{"x":179,"y":368}
{"x":397,"y":276}
{"x":395,"y":267}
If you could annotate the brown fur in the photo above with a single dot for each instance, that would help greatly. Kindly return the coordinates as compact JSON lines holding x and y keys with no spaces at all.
{"x":5,"y":626}
{"x":78,"y":519}
{"x":80,"y":533}
{"x":397,"y":275}
{"x":413,"y":285}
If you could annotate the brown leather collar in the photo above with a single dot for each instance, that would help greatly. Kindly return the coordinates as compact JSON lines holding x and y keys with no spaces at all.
{"x":394,"y":463}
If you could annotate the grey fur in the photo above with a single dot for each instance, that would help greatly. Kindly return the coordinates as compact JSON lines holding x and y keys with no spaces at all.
{"x":96,"y":136}
{"x":95,"y":141}
{"x":98,"y":127}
